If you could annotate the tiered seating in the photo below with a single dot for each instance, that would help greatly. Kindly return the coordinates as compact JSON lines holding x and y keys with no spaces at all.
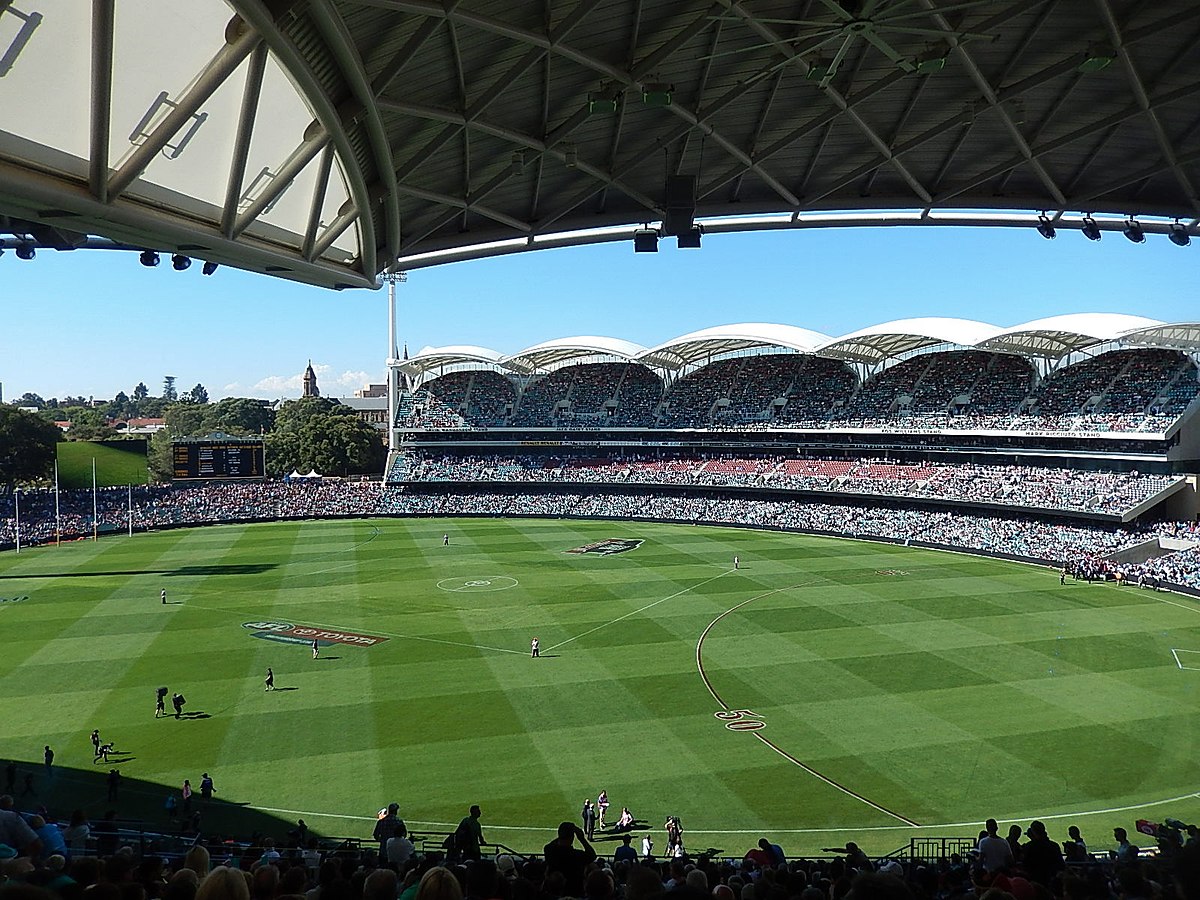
{"x":950,"y":375}
{"x":761,"y":380}
{"x":458,"y":400}
{"x":879,"y":397}
{"x":817,"y":387}
{"x":692,"y":397}
{"x":594,"y":385}
{"x":637,"y":398}
{"x":994,"y":397}
{"x":489,"y":400}
{"x":539,"y":400}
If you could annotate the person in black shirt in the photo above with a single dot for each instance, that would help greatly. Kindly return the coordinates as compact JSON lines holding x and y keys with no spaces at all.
{"x":562,"y":856}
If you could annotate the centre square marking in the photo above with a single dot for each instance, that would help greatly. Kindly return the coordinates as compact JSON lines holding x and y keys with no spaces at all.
{"x":286,"y":633}
{"x":478,"y":584}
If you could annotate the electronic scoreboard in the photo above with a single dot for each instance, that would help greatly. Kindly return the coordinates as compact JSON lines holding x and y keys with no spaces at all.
{"x":218,"y":459}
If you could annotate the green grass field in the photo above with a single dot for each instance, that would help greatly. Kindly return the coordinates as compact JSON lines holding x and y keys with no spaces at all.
{"x":895,"y":686}
{"x":118,"y":463}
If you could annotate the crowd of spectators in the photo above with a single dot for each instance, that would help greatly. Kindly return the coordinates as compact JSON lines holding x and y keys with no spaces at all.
{"x":1040,"y":867}
{"x":155,"y":507}
{"x":1008,"y":485}
{"x":1141,"y":390}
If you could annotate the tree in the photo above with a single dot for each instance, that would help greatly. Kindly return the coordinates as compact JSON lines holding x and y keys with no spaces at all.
{"x":28,"y":399}
{"x":27,"y":445}
{"x":188,"y":420}
{"x":87,"y":424}
{"x":169,"y":393}
{"x":243,"y":417}
{"x":319,"y":433}
{"x":141,"y":392}
{"x":196,"y":395}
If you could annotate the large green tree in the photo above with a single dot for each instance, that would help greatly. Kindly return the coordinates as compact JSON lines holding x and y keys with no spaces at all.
{"x":26,"y":445}
{"x":319,"y":433}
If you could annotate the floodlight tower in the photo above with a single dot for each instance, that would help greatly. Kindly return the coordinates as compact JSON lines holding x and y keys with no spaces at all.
{"x":393,"y":361}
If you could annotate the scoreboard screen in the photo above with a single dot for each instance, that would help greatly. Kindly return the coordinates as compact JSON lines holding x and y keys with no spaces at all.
{"x":218,"y":459}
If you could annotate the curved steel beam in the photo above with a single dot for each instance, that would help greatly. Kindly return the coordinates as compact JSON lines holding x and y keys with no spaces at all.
{"x":628,"y":79}
{"x":333,"y":30}
{"x":256,"y":13}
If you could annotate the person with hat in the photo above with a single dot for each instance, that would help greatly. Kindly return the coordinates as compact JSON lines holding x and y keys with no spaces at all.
{"x":1041,"y":857}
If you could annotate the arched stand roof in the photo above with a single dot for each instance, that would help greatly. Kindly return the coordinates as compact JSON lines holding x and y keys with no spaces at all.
{"x":334,"y":140}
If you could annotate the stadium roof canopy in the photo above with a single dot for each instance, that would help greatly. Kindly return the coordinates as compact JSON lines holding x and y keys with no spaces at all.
{"x":329,"y":141}
{"x":573,"y":349}
{"x":892,"y":339}
{"x":1182,"y":336}
{"x":709,"y":342}
{"x":1059,"y":335}
{"x":430,"y":358}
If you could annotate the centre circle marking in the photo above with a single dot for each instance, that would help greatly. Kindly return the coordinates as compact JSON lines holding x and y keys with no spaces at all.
{"x":478,"y":585}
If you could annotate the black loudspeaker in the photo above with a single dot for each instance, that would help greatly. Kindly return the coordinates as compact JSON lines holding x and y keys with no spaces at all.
{"x":645,"y":240}
{"x":680,"y":204}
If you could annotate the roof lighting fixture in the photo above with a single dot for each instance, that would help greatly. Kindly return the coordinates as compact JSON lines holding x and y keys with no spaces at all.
{"x":645,"y":240}
{"x":571,"y":156}
{"x":1178,"y":235}
{"x":148,"y":258}
{"x":1133,"y":231}
{"x":516,"y":164}
{"x":1046,"y":228}
{"x":819,"y":69}
{"x":690,"y":239}
{"x":1096,"y":59}
{"x":179,"y":262}
{"x":656,"y":94}
{"x":601,"y":105}
{"x":930,"y":65}
{"x":25,"y":250}
{"x":208,"y":268}
{"x":1090,"y":229}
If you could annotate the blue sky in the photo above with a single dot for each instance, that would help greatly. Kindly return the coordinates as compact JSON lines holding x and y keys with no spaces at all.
{"x":94,"y":323}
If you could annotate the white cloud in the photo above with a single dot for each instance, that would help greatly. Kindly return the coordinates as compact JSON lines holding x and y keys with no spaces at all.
{"x":330,"y":383}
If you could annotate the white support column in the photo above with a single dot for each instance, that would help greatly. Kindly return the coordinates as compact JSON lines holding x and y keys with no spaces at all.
{"x":393,"y":362}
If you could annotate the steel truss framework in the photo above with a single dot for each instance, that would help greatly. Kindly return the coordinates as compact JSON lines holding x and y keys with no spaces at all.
{"x":439,"y":130}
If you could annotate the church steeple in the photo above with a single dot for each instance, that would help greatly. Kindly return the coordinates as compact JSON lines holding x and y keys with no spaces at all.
{"x":310,"y":382}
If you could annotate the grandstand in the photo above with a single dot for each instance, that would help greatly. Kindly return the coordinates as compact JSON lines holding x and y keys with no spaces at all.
{"x":1089,"y":417}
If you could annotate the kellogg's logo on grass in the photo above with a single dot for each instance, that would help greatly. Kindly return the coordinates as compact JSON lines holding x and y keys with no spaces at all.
{"x":608,"y":548}
{"x":13,"y":599}
{"x":286,"y":633}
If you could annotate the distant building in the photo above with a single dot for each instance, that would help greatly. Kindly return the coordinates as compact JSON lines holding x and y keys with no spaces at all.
{"x":372,"y":410}
{"x":310,"y":382}
{"x":372,"y":391}
{"x":140,"y":426}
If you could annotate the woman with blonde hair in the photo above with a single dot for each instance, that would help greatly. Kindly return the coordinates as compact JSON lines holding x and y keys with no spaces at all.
{"x":438,"y":883}
{"x":224,"y":883}
{"x":197,"y":860}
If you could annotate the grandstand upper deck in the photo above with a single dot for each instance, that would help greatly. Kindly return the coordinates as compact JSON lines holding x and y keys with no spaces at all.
{"x":1126,"y":390}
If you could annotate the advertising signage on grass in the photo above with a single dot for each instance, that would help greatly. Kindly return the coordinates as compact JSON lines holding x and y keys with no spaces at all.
{"x":217,"y":459}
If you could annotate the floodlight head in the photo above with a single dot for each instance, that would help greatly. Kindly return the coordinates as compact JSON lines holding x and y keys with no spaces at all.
{"x":1046,"y":228}
{"x":657,"y":94}
{"x":179,"y":262}
{"x":148,"y":258}
{"x":601,"y":104}
{"x":645,"y":240}
{"x":208,"y":268}
{"x":1096,"y":59}
{"x":1178,"y":235}
{"x":1090,"y":229}
{"x":690,"y":239}
{"x":25,"y":250}
{"x":1133,"y":231}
